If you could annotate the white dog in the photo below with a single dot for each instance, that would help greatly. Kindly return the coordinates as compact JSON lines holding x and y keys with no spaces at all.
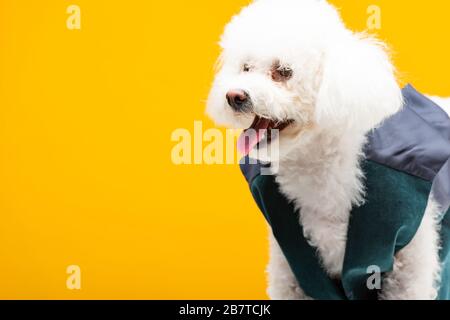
{"x":292,"y":65}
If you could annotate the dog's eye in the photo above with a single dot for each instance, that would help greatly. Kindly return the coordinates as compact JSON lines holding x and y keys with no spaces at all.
{"x":246,"y":68}
{"x":280,"y":73}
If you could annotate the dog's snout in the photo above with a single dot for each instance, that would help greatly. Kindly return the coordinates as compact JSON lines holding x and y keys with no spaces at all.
{"x":238,"y":99}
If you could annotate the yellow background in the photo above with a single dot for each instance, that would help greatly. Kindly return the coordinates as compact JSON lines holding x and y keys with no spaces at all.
{"x":86,"y":176}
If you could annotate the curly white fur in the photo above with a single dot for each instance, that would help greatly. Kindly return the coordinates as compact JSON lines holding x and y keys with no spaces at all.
{"x":343,"y":85}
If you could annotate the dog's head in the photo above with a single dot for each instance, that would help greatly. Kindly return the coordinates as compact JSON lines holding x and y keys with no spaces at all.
{"x":292,"y":65}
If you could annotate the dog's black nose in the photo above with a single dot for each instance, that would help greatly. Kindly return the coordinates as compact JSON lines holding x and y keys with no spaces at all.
{"x":239,"y":100}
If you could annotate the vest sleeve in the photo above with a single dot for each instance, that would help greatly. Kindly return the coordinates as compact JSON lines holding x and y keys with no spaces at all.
{"x":383,"y":225}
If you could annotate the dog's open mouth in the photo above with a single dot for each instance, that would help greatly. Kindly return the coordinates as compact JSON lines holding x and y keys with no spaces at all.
{"x":261,"y":128}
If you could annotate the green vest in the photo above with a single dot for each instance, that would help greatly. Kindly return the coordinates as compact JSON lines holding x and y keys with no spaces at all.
{"x":397,"y":191}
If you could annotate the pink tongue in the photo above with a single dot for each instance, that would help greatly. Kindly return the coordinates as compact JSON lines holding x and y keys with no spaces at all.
{"x":252,"y":136}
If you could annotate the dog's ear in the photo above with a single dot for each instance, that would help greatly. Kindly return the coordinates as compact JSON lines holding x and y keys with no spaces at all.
{"x":358,"y":85}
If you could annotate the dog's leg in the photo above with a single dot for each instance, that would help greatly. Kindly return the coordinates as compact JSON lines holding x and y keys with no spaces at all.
{"x":282,"y":283}
{"x":417,"y":266}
